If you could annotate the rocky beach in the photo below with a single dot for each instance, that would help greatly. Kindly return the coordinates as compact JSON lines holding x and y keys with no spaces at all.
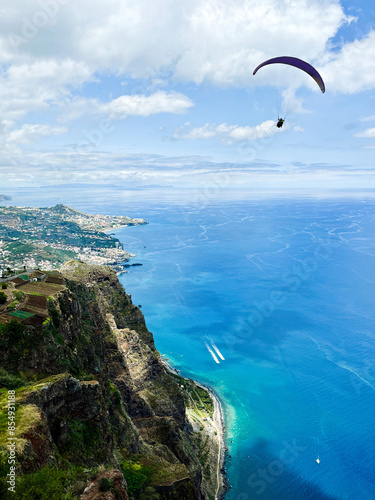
{"x":215,"y":427}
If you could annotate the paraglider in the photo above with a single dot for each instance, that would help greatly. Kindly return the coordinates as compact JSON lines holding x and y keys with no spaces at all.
{"x":297,"y":63}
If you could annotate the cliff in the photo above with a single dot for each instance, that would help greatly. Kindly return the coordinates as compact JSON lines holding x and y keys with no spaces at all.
{"x":97,"y":414}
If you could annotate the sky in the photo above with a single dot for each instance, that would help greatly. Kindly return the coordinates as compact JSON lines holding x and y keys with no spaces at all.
{"x":161,"y":93}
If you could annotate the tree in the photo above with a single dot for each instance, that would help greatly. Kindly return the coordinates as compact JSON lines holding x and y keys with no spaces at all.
{"x":3,"y":297}
{"x":18,"y":294}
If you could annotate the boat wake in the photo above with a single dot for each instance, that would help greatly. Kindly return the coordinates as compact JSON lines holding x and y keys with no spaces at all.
{"x":212,"y":349}
{"x":212,"y":353}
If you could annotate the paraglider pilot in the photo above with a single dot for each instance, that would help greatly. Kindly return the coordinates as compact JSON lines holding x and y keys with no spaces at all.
{"x":297,"y":63}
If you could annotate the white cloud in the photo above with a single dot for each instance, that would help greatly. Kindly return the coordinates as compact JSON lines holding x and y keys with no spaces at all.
{"x":63,"y":45}
{"x":35,"y":86}
{"x":29,"y":133}
{"x":142,"y":105}
{"x":36,"y":169}
{"x":291,"y":103}
{"x":52,"y":68}
{"x":226,"y":43}
{"x":227,"y":134}
{"x":368,"y":118}
{"x":217,"y":41}
{"x":352,"y":69}
{"x":370,"y":132}
{"x":127,"y":105}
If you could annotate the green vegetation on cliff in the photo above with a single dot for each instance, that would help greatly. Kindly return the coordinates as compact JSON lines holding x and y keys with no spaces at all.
{"x":94,"y":405}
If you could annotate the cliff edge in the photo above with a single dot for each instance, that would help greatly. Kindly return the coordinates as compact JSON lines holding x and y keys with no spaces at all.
{"x":88,"y":410}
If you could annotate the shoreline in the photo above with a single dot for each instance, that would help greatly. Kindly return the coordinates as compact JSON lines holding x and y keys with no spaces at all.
{"x":218,"y":423}
{"x":110,"y":229}
{"x":114,"y":228}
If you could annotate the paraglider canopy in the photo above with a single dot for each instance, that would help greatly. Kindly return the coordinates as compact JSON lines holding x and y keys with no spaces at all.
{"x":298,"y":63}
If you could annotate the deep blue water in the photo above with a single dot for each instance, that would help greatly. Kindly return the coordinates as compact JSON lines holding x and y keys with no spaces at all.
{"x":286,"y":292}
{"x":285,"y":289}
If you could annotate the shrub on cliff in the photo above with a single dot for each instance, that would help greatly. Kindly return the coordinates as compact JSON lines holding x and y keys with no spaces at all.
{"x":54,"y":313}
{"x":46,"y":484}
{"x":105,"y":484}
{"x":12,"y":331}
{"x":85,"y":443}
{"x":15,"y":340}
{"x":137,"y":477}
{"x":9,"y":380}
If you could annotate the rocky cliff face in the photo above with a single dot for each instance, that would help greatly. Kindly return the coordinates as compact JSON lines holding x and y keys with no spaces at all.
{"x":97,"y":414}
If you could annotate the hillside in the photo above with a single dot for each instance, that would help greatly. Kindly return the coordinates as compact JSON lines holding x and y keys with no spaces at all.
{"x":48,"y":237}
{"x":97,"y":415}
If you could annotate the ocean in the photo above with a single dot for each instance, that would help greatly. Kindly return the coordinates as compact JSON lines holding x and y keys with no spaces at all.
{"x":271,"y":303}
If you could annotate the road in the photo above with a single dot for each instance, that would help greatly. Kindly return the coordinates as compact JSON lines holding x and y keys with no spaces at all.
{"x":8,"y":278}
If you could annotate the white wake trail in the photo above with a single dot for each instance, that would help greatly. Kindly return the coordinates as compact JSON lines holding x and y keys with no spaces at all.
{"x":217,"y":350}
{"x":211,"y":352}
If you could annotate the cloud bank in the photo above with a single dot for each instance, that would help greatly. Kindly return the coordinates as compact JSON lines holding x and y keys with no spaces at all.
{"x":56,"y":54}
{"x":228,"y":134}
{"x":216,"y":41}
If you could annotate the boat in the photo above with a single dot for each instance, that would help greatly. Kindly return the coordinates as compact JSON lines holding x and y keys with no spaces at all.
{"x":317,"y":460}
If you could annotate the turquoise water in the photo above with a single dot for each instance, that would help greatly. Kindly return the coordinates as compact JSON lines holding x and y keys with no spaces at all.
{"x":285,"y":290}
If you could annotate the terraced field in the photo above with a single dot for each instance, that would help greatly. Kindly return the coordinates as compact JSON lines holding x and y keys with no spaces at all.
{"x":46,"y":289}
{"x":38,"y":301}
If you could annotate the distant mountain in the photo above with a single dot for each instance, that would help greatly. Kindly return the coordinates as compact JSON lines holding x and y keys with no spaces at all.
{"x":64,"y":209}
{"x":118,"y":187}
{"x":4,"y":197}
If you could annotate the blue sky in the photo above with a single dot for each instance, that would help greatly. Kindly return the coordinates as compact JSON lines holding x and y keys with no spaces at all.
{"x":162,"y":93}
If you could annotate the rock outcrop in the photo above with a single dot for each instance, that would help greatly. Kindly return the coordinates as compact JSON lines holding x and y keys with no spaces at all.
{"x":96,"y":409}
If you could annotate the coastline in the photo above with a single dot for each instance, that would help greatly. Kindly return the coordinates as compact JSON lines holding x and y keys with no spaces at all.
{"x":219,"y":425}
{"x":120,"y":226}
{"x":109,"y":230}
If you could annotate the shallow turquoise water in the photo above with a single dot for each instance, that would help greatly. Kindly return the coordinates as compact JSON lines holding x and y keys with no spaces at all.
{"x":285,"y":290}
